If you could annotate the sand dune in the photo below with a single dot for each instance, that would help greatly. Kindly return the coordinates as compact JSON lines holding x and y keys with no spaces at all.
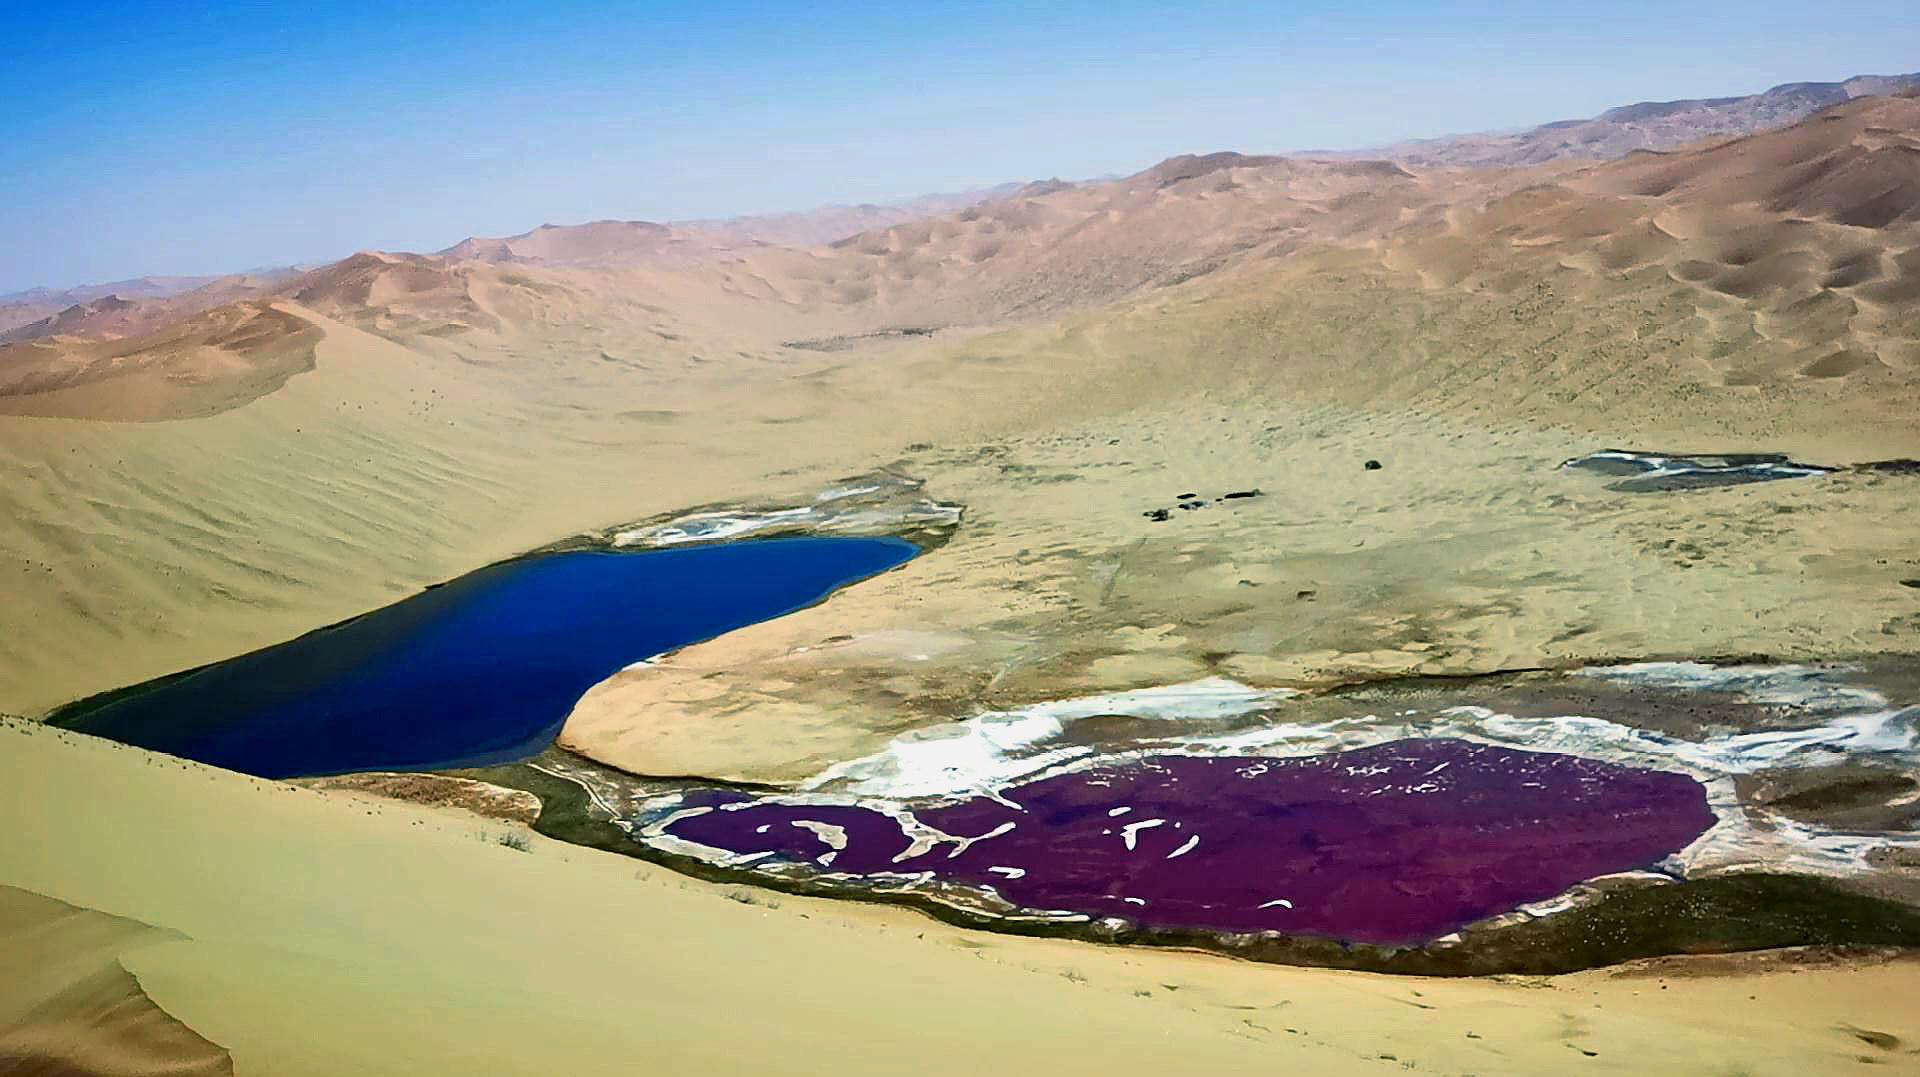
{"x":825,"y":225}
{"x":594,"y":241}
{"x":319,"y":933}
{"x":1856,"y":164}
{"x":1214,"y":323}
{"x":644,"y":242}
{"x":148,"y":304}
{"x":1454,"y":302}
{"x":20,"y":308}
{"x":1740,"y":223}
{"x":106,"y":313}
{"x":69,"y":1005}
{"x":1047,"y":250}
{"x":205,"y":364}
{"x":1561,"y":304}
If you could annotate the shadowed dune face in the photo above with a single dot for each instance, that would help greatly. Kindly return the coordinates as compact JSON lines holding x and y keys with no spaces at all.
{"x":70,"y":1008}
{"x":400,"y":296}
{"x":15,"y":313}
{"x":18,"y":309}
{"x":1856,"y":164}
{"x":212,"y":362}
{"x":127,"y":309}
{"x":105,"y":317}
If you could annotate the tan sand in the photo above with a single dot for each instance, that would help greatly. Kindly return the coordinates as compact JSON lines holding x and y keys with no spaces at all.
{"x":69,"y":1005}
{"x":1474,"y":348}
{"x":1206,"y":326}
{"x":315,"y":933}
{"x":1466,"y":552}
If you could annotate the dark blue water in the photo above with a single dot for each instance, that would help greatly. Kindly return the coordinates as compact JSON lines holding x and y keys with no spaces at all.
{"x":478,"y":671}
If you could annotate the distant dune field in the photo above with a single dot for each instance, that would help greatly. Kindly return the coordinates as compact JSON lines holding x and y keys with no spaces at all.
{"x":424,"y":414}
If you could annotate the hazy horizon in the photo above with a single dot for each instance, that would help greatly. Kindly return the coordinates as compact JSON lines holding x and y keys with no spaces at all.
{"x":283,"y":138}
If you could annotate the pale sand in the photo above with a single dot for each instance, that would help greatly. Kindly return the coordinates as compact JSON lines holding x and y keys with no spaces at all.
{"x":1459,"y":345}
{"x":69,"y":1005}
{"x":1466,"y":552}
{"x":134,"y":550}
{"x":317,"y":933}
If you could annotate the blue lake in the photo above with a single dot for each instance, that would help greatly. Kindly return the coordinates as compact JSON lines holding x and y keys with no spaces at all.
{"x":477,"y":671}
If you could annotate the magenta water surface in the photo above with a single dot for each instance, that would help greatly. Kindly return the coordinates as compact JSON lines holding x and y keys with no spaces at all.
{"x":1394,"y":844}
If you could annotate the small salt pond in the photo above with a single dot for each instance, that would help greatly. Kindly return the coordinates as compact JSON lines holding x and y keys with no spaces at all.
{"x":1651,"y":472}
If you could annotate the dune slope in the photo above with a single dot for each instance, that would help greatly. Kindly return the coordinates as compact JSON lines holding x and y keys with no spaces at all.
{"x":313,"y":933}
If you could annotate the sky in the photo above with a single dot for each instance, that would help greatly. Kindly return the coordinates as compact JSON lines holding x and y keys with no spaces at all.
{"x":142,"y":139}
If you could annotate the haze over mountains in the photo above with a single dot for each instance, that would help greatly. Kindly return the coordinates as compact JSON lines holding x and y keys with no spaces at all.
{"x":120,"y":309}
{"x":125,"y":308}
{"x":1735,"y":221}
{"x":605,"y":242}
{"x":1646,"y":125}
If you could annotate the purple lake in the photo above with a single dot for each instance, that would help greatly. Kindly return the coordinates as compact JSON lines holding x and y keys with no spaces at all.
{"x":1395,"y":844}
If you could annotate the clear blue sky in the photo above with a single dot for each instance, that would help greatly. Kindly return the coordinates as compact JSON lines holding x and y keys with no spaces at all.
{"x":159,"y":138}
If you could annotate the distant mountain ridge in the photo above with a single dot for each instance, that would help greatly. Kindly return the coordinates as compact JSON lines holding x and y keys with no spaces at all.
{"x":128,"y":307}
{"x":1644,"y":125}
{"x":135,"y":288}
{"x":19,"y":309}
{"x":818,"y":227}
{"x":625,"y":241}
{"x":1804,"y":232}
{"x":1615,"y":133}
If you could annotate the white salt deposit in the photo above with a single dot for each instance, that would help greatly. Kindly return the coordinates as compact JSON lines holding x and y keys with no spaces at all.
{"x":988,"y":752}
{"x":1845,"y":722}
{"x":880,"y":504}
